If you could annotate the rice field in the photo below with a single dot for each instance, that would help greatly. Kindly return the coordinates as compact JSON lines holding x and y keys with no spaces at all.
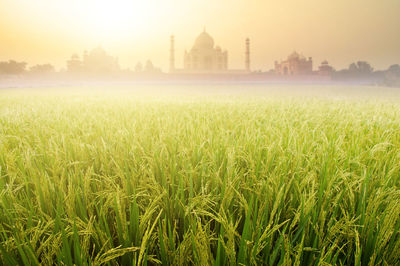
{"x":121,"y":179}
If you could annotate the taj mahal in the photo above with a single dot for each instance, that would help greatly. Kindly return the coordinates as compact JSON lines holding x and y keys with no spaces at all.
{"x":206,"y":57}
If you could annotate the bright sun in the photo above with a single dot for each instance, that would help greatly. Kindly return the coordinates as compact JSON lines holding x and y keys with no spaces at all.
{"x":116,"y":18}
{"x":97,"y":20}
{"x":113,"y":14}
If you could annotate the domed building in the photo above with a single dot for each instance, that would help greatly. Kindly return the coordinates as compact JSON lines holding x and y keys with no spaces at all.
{"x":204,"y":57}
{"x":325,"y":69}
{"x":295,"y":64}
{"x":96,"y":61}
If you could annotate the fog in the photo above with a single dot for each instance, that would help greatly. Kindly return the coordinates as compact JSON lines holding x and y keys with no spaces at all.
{"x":212,"y":89}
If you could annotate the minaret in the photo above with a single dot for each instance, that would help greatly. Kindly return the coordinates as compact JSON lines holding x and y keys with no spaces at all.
{"x":248,"y":55}
{"x":172,"y":55}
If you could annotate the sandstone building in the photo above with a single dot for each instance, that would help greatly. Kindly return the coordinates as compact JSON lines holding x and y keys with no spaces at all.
{"x":295,"y":64}
{"x":206,"y":58}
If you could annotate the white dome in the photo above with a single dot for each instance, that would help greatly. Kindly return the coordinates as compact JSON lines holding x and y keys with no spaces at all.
{"x":204,"y":41}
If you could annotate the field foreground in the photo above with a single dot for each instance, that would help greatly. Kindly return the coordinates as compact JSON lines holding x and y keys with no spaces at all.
{"x":198,"y":180}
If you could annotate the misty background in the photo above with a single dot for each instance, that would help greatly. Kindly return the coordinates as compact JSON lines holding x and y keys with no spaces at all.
{"x":342,"y":32}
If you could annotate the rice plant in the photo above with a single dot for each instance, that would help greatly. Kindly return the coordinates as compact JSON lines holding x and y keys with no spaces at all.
{"x":123,"y":180}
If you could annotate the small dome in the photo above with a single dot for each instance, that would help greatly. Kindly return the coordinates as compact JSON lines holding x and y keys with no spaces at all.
{"x":325,"y":62}
{"x":99,"y":51}
{"x":204,"y":41}
{"x":293,"y":56}
{"x":75,"y":57}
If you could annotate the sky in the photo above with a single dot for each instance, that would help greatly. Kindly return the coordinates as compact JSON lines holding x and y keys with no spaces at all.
{"x":340,"y":31}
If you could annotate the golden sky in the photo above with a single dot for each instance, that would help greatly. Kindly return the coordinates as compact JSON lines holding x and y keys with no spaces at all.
{"x":341,"y":31}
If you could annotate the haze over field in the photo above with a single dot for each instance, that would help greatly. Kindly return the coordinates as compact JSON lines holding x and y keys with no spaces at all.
{"x":341,"y":31}
{"x":189,"y":92}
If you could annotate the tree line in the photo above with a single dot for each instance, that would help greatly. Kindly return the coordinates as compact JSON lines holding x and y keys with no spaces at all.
{"x":360,"y":70}
{"x":13,"y":67}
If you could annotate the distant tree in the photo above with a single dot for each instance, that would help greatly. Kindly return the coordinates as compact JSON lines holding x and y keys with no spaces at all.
{"x":74,"y":65}
{"x":392,"y":76}
{"x":139,"y":67}
{"x":149,"y":66}
{"x":353,"y":67}
{"x":42,"y":69}
{"x":394,"y":69}
{"x":360,"y":68}
{"x":12,"y":67}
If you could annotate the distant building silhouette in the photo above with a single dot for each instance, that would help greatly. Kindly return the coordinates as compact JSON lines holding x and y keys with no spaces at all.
{"x":96,"y":61}
{"x":138,"y":67}
{"x":172,"y":55}
{"x":295,"y":64}
{"x":206,"y":58}
{"x":247,"y":61}
{"x":325,"y":69}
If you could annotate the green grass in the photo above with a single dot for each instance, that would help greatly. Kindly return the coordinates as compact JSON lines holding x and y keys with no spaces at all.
{"x":91,"y":180}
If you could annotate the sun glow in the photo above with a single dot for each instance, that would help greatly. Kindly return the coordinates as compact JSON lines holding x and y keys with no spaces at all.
{"x":93,"y":19}
{"x":136,"y":30}
{"x":116,"y":18}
